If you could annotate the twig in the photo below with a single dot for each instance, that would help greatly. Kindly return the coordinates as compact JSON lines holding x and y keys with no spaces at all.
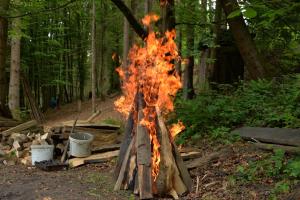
{"x":197,"y":187}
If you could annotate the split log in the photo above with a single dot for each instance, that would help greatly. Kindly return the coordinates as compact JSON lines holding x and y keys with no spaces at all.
{"x":186,"y":177}
{"x":272,"y":147}
{"x":189,"y":155}
{"x":125,"y":144}
{"x":206,"y":159}
{"x":20,"y":128}
{"x":75,"y":162}
{"x":123,"y":167}
{"x":169,"y":179}
{"x":143,"y":148}
{"x":17,"y":146}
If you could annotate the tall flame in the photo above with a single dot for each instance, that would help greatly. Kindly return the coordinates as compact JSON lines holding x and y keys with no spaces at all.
{"x":152,"y":72}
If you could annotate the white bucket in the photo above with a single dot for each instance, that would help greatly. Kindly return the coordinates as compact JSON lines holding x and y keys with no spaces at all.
{"x":41,"y":153}
{"x":80,"y":144}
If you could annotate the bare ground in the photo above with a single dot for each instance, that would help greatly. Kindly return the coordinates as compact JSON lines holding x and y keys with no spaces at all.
{"x":91,"y":182}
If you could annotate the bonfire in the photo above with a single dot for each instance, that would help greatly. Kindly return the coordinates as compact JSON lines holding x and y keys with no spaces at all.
{"x":149,"y":162}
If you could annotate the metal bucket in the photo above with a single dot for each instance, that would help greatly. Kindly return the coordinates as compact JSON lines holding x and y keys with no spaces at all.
{"x":41,"y":153}
{"x":80,"y":144}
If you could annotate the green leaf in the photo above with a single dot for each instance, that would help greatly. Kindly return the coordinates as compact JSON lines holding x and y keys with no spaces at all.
{"x":234,"y":14}
{"x":249,"y":13}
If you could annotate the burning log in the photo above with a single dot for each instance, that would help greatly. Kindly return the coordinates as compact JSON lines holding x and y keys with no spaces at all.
{"x":149,"y":163}
{"x":135,"y":170}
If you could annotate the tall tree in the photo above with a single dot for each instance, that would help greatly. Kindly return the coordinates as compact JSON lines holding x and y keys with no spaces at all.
{"x":3,"y":48}
{"x":93,"y":71}
{"x":168,"y":15}
{"x":204,"y":51}
{"x":14,"y":82}
{"x":216,"y":31}
{"x":188,"y":88}
{"x":254,"y":65}
{"x":126,"y":44}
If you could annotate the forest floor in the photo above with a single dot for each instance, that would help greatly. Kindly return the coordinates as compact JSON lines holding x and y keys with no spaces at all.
{"x":215,"y":180}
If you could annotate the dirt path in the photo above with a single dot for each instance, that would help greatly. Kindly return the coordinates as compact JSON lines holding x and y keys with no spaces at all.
{"x":70,"y":112}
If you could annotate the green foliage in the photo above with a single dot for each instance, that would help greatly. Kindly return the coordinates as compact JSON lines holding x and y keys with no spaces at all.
{"x":267,"y":167}
{"x":280,"y":187}
{"x":256,"y":103}
{"x":293,"y":168}
{"x":275,"y":166}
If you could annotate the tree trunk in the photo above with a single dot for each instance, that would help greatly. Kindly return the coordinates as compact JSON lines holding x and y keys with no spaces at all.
{"x":254,"y":65}
{"x":93,"y":58}
{"x":168,"y":16}
{"x":188,"y":88}
{"x":204,"y":52}
{"x":148,"y":6}
{"x":125,"y":42}
{"x":14,"y":82}
{"x":3,"y":47}
{"x":216,"y":31}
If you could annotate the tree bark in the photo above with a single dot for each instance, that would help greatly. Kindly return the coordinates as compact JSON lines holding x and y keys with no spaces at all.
{"x":125,"y":42}
{"x":148,"y":6}
{"x":204,"y":52}
{"x":216,"y":31}
{"x":253,"y":62}
{"x":93,"y":58}
{"x":14,"y":82}
{"x":168,"y":16}
{"x":3,"y":47}
{"x":188,"y":88}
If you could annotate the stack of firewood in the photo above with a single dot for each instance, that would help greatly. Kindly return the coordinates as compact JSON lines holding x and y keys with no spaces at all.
{"x":17,"y":140}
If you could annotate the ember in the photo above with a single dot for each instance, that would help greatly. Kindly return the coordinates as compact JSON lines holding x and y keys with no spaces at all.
{"x":149,"y":84}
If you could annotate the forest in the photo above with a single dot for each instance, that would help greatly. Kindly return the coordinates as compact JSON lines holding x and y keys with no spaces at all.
{"x":185,"y":99}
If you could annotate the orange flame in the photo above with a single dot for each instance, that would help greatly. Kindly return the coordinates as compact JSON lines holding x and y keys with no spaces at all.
{"x":151,"y":72}
{"x":175,"y":129}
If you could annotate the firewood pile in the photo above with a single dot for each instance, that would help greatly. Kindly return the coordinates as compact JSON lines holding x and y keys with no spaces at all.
{"x":104,"y":134}
{"x":18,"y":139}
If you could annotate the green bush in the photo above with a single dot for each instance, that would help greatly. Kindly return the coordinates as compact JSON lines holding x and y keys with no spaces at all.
{"x":262,"y":103}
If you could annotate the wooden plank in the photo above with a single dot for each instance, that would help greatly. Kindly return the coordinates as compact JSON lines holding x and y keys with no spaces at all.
{"x":9,"y":123}
{"x":284,"y":136}
{"x":20,"y":128}
{"x":81,"y":123}
{"x":75,"y":162}
{"x":206,"y":159}
{"x":143,"y":148}
{"x":106,"y":148}
{"x":272,"y":147}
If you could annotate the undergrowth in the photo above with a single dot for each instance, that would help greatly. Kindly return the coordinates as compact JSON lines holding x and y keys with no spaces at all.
{"x":283,"y":172}
{"x":262,"y":103}
{"x":214,"y":113}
